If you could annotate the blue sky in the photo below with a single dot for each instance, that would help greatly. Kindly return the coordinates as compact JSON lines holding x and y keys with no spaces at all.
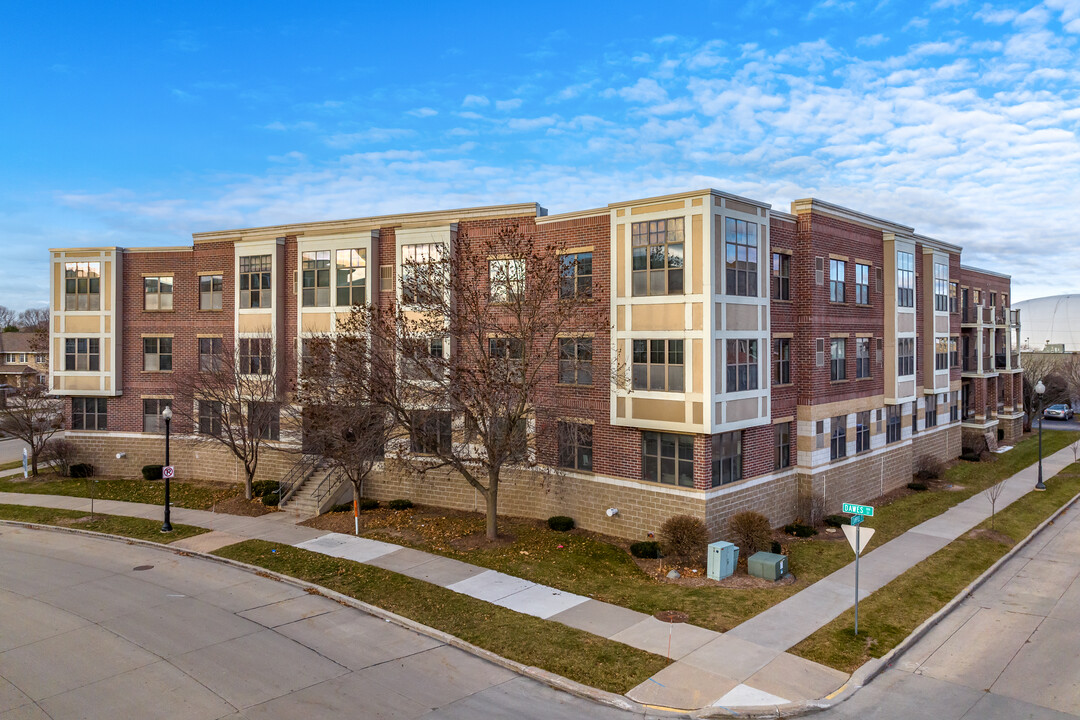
{"x":140,"y":123}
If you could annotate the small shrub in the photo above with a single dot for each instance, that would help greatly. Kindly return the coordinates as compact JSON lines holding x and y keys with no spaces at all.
{"x":837,"y":520}
{"x":646,"y":549}
{"x":82,"y":470}
{"x":970,"y":456}
{"x":262,"y":488}
{"x":400,"y":504}
{"x":799,"y":530}
{"x":918,"y":486}
{"x":685,"y":537}
{"x":750,"y":531}
{"x":561,"y":523}
{"x":60,"y":454}
{"x":928,"y":467}
{"x":368,"y":504}
{"x":776,"y":548}
{"x":271,"y":499}
{"x":151,"y":472}
{"x":341,"y":507}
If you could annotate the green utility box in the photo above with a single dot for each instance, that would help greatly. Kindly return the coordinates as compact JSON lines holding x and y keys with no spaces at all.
{"x":722,"y":559}
{"x":767,"y":565}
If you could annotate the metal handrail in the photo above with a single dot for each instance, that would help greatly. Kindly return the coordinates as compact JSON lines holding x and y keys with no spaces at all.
{"x":328,"y":486}
{"x":298,"y":473}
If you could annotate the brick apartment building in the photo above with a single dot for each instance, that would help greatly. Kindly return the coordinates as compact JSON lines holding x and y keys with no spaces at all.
{"x":783,"y":362}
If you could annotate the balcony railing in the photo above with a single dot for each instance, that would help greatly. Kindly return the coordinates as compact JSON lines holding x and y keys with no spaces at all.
{"x":970,"y":314}
{"x":988,"y":316}
{"x":986,"y":363}
{"x":971,"y":363}
{"x":1014,"y":317}
{"x":1014,"y":361}
{"x":999,"y":361}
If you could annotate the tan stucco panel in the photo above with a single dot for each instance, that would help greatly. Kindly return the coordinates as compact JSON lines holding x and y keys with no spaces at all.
{"x":840,"y":407}
{"x":658,"y":207}
{"x":696,"y":202}
{"x":106,"y":286}
{"x":905,"y":388}
{"x":81,"y":382}
{"x":668,"y":316}
{"x":941,"y":382}
{"x":696,"y":261}
{"x":659,"y":410}
{"x":738,"y":410}
{"x":905,"y":322}
{"x":699,"y":358}
{"x":316,"y":322}
{"x":699,"y":413}
{"x":941,"y":324}
{"x":254,"y":323}
{"x":697,"y":312}
{"x":106,"y":357}
{"x":82,"y":323}
{"x":620,"y":260}
{"x":108,"y":323}
{"x":58,"y":287}
{"x":620,"y":407}
{"x":620,"y":317}
{"x":742,"y":317}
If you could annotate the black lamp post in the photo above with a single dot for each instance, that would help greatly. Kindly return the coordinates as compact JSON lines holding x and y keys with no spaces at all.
{"x":1039,"y":390}
{"x":166,"y":414}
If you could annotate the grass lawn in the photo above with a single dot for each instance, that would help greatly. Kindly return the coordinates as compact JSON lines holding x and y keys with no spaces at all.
{"x":10,"y":465}
{"x":893,"y":612}
{"x":113,"y":524}
{"x":187,"y":494}
{"x":589,"y":565}
{"x":552,"y":646}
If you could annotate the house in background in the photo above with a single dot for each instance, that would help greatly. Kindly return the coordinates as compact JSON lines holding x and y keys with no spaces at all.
{"x":24,"y":359}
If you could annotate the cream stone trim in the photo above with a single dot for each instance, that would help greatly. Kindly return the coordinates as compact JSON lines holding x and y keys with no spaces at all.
{"x":206,"y":273}
{"x":575,"y":250}
{"x":575,"y":215}
{"x":839,"y":335}
{"x":579,"y":421}
{"x":572,"y":334}
{"x":200,"y":335}
{"x":782,"y":420}
{"x":783,"y":335}
{"x":163,"y":335}
{"x":164,"y":273}
{"x":834,"y":256}
{"x":805,"y":205}
{"x":156,"y":397}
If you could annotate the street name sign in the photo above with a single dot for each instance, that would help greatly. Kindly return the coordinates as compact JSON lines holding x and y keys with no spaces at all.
{"x":856,"y":519}
{"x":854,"y":509}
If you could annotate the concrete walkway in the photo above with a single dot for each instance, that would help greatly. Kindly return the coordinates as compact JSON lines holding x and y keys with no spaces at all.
{"x":746,"y":667}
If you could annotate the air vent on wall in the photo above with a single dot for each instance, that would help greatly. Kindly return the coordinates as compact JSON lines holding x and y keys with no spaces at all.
{"x":819,"y":271}
{"x":386,"y":278}
{"x":820,"y":352}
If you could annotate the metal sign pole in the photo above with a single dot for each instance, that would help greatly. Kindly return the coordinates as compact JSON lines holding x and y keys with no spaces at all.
{"x":857,"y":553}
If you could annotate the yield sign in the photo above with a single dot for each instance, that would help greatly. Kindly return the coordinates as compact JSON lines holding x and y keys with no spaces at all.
{"x":864,"y":536}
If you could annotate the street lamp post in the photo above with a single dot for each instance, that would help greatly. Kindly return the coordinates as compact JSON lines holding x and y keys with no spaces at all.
{"x":166,"y":414}
{"x":1039,"y":390}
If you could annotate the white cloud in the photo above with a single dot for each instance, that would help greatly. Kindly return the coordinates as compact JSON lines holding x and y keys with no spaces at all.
{"x":475,"y":101}
{"x":995,"y":16}
{"x":423,"y":112}
{"x":505,"y":105}
{"x":871,"y":40}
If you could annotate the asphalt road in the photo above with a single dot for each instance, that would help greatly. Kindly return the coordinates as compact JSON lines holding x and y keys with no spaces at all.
{"x":91,"y":628}
{"x":11,"y":450}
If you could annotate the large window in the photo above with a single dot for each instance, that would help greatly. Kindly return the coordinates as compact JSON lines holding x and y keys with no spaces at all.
{"x":905,"y":279}
{"x":941,"y":353}
{"x":668,"y":458}
{"x":741,"y":261}
{"x":657,"y":262}
{"x":941,"y":287}
{"x":264,"y":420}
{"x":905,"y":351}
{"x":255,"y":356}
{"x":432,"y":433}
{"x":82,"y":286}
{"x":507,"y":278}
{"x":954,"y":292}
{"x":88,"y":413}
{"x":82,"y":354}
{"x":210,"y":417}
{"x":255,"y":281}
{"x":781,"y":361}
{"x":157,"y":292}
{"x":315,"y":278}
{"x":575,"y":361}
{"x":838,"y":438}
{"x":727,"y":458}
{"x":930,"y":415}
{"x":781,"y":276}
{"x":210,"y":292}
{"x":422,"y":266}
{"x":782,"y":437}
{"x":575,"y":446}
{"x":351,"y":276}
{"x":837,"y":361}
{"x":419,"y":365}
{"x":742,"y":365}
{"x":658,"y":365}
{"x":505,"y":348}
{"x":892,"y":423}
{"x":575,"y":271}
{"x":862,"y":431}
{"x":862,"y":357}
{"x":837,"y":268}
{"x":862,"y":284}
{"x":157,"y":354}
{"x":151,"y":410}
{"x":954,"y":352}
{"x":209,"y":354}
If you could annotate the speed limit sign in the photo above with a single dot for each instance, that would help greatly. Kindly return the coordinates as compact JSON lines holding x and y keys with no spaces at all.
{"x":168,"y":471}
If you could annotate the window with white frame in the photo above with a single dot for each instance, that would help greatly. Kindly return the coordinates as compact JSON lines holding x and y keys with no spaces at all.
{"x":741,"y":258}
{"x":658,"y":365}
{"x":315,"y":278}
{"x":422,"y":268}
{"x":575,"y":441}
{"x":862,"y":431}
{"x":657,"y":257}
{"x":930,"y":411}
{"x":432,"y":433}
{"x":742,"y":365}
{"x":82,"y":286}
{"x":254,"y":356}
{"x":158,"y":292}
{"x":82,"y":354}
{"x":507,"y":280}
{"x":351,"y":267}
{"x":905,"y":279}
{"x":255,"y":285}
{"x":837,"y":268}
{"x":727,"y":458}
{"x":941,"y":353}
{"x":862,"y":284}
{"x":210,"y":292}
{"x":862,"y":357}
{"x":575,"y":360}
{"x":905,"y":353}
{"x":837,"y":361}
{"x":88,"y":413}
{"x":667,"y":458}
{"x":892,"y":423}
{"x":838,"y":438}
{"x":157,"y":354}
{"x":941,"y":287}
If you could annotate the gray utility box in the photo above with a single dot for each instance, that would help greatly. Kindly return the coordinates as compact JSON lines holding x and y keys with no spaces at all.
{"x":767,"y":565}
{"x":723,"y":557}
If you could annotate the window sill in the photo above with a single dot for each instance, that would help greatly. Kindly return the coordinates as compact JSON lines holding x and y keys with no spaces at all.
{"x":573,"y":385}
{"x":783,"y":385}
{"x":779,"y":300}
{"x":210,"y":311}
{"x":865,"y":377}
{"x":158,"y":311}
{"x":838,"y":382}
{"x":589,"y":299}
{"x":157,"y":372}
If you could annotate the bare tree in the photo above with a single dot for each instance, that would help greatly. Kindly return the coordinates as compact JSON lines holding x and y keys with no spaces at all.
{"x":1047,"y":368}
{"x":992,"y":494}
{"x":34,"y":320}
{"x":336,"y":389}
{"x":7,"y":317}
{"x":232,"y":397}
{"x":475,"y":346}
{"x":31,"y":416}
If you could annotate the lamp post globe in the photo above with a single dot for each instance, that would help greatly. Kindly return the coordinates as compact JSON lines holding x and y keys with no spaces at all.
{"x":1039,"y":390}
{"x":166,"y":415}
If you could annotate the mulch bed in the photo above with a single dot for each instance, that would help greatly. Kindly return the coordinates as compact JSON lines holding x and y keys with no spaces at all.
{"x":240,"y":505}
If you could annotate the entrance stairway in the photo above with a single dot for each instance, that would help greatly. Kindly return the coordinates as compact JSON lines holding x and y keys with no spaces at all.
{"x":310,"y":487}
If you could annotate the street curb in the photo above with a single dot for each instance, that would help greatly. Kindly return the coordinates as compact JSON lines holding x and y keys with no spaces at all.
{"x":550,"y":679}
{"x":872,"y":668}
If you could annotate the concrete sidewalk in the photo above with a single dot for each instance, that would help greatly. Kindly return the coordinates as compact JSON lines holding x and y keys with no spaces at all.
{"x":745,"y":668}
